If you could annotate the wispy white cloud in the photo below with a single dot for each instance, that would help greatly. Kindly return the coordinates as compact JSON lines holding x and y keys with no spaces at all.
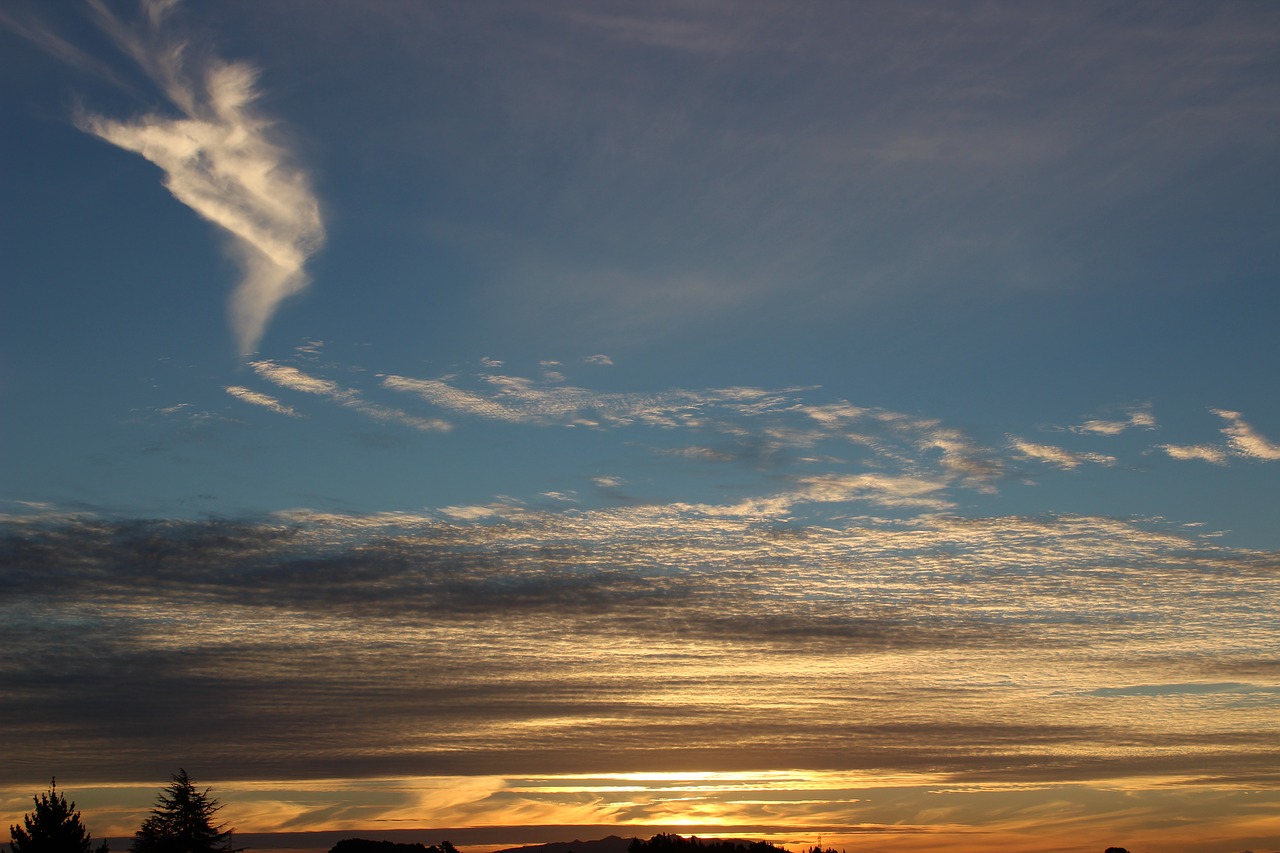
{"x":517,"y":399}
{"x":440,"y":393}
{"x":838,"y":414}
{"x":1135,"y":416}
{"x":219,"y":157}
{"x":600,"y":359}
{"x":40,"y":34}
{"x":266,"y":401}
{"x":473,"y":512}
{"x":1244,"y":440}
{"x":1062,"y":458}
{"x":296,"y":380}
{"x":1203,"y":452}
{"x":706,"y":454}
{"x":961,"y":456}
{"x":762,"y":427}
{"x":609,"y":482}
{"x":889,"y":491}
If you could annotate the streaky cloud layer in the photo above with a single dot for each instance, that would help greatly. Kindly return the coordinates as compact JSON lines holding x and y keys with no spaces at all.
{"x":219,"y":159}
{"x":680,"y":637}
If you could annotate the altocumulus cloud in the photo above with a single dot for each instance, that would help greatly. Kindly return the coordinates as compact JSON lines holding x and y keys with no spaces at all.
{"x":676,"y":637}
{"x":219,"y":159}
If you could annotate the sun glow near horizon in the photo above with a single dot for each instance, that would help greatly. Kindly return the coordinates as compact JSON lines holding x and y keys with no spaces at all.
{"x":898,"y":812}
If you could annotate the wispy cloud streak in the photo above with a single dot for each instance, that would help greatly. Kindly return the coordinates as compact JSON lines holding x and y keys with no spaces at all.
{"x":1057,"y":456}
{"x":266,"y":401}
{"x":1244,"y":440}
{"x":295,"y":380}
{"x":1203,"y":452}
{"x":1135,"y":416}
{"x":220,"y":159}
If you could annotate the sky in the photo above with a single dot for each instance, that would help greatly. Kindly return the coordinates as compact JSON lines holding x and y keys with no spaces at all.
{"x":832,"y":422}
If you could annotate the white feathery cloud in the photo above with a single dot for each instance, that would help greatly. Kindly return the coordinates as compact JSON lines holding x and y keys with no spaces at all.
{"x":762,"y":423}
{"x":1245,"y":440}
{"x":881,"y":489}
{"x":468,"y":513}
{"x":836,"y":414}
{"x":219,"y":158}
{"x":41,"y":35}
{"x":266,"y":401}
{"x":517,"y":399}
{"x":608,"y":482}
{"x":706,"y":454}
{"x":1138,"y":416}
{"x":599,"y":359}
{"x":440,"y":393}
{"x":1202,"y":452}
{"x":961,"y":456}
{"x":1065,"y":459}
{"x":295,"y":380}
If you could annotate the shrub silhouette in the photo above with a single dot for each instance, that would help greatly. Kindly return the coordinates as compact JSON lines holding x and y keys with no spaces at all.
{"x":54,"y":827}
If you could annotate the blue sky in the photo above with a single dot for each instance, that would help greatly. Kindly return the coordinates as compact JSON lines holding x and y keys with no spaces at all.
{"x":530,"y":308}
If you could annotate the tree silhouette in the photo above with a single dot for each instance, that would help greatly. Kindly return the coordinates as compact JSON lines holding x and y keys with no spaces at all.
{"x":54,"y":827}
{"x":364,"y":845}
{"x":182,"y":822}
{"x":666,"y":843}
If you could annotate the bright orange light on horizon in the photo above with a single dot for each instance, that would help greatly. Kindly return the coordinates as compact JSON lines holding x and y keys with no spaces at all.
{"x":795,"y":809}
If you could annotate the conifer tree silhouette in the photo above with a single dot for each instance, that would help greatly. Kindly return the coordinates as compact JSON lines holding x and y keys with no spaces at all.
{"x":182,"y":822}
{"x":54,"y":827}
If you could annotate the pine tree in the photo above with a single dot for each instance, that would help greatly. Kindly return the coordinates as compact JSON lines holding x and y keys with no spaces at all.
{"x":54,"y":827}
{"x":182,"y":822}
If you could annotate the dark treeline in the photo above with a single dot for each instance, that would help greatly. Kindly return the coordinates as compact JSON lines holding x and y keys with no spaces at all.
{"x":694,"y":844}
{"x":364,"y":845}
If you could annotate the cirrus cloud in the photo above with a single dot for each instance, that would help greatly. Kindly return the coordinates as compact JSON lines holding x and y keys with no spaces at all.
{"x":221,"y":159}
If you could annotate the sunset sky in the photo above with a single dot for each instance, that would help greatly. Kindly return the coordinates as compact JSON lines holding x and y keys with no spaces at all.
{"x":840,"y":421}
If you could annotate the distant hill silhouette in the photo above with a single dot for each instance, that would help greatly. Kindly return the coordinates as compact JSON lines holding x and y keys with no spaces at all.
{"x":694,"y":844}
{"x":656,"y":844}
{"x":610,"y":844}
